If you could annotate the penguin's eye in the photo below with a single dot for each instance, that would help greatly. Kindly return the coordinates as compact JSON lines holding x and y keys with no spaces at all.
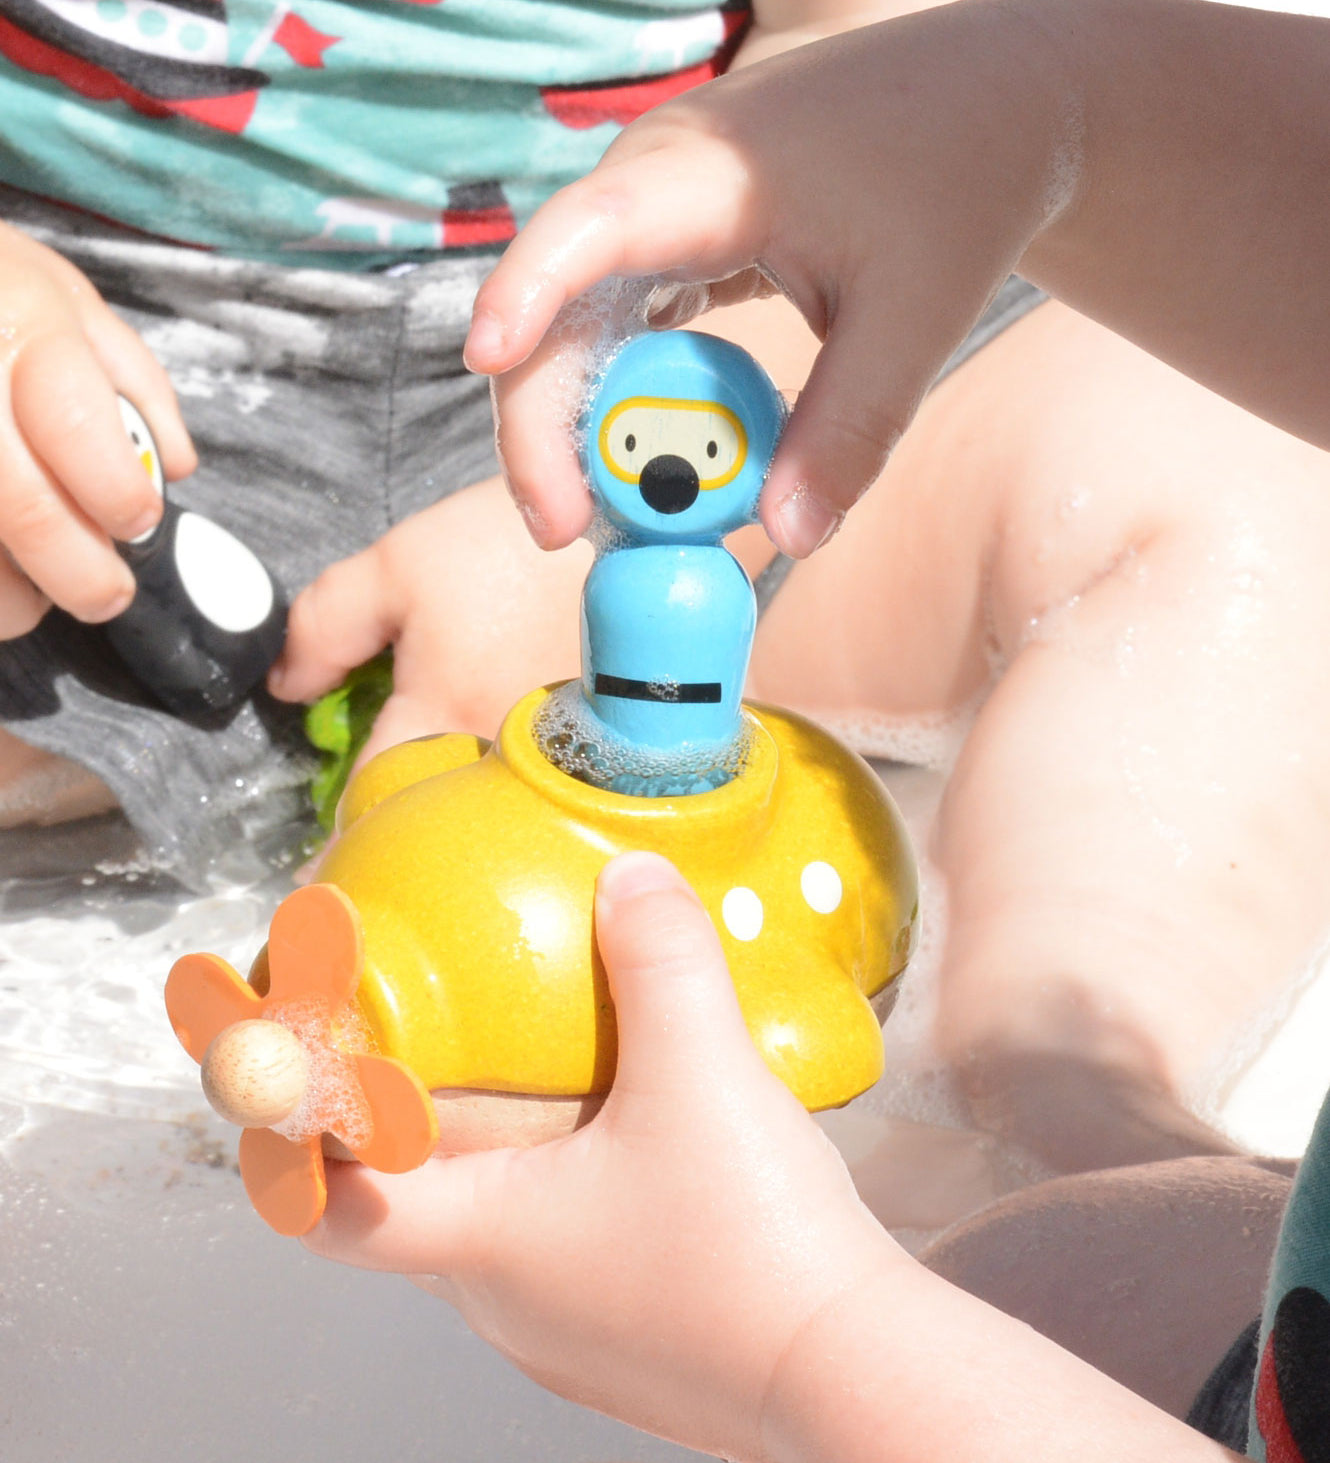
{"x":705,"y":434}
{"x":136,"y":429}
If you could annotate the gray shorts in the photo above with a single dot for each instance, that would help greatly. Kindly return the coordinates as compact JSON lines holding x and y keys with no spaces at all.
{"x":326,"y":407}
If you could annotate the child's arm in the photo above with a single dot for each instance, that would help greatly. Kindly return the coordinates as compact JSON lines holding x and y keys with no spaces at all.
{"x":1159,"y":163}
{"x":696,"y":1261}
{"x":69,"y":477}
{"x":476,"y":614}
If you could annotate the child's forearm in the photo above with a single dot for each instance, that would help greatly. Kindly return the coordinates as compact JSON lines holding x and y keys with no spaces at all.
{"x":1198,"y":221}
{"x":908,"y":1369}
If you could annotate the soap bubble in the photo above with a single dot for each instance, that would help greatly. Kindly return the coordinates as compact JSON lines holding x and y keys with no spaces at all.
{"x":586,"y":335}
{"x":572,"y":737}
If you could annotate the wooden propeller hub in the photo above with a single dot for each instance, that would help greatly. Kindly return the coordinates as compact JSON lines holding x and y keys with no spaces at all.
{"x":255,"y":1073}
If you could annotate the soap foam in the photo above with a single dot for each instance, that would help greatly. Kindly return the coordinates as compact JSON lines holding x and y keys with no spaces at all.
{"x":333,"y":1101}
{"x":572,"y":737}
{"x":932,"y":741}
{"x":585,"y":337}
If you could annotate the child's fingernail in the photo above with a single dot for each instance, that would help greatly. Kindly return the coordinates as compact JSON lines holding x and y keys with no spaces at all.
{"x":143,"y":525}
{"x":276,"y":680}
{"x":119,"y":602}
{"x":484,"y":341}
{"x":805,"y":523}
{"x":673,"y":304}
{"x":633,"y":874}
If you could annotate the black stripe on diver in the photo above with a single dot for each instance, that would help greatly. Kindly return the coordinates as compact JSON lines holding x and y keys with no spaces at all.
{"x":691,"y":692}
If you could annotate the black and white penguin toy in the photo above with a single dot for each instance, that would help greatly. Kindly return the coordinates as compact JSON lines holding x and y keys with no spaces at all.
{"x":208,"y":619}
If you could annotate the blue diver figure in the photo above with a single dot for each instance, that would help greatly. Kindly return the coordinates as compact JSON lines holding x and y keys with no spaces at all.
{"x":679,"y":436}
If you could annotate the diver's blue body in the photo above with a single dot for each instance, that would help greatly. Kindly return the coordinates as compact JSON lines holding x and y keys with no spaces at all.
{"x":666,"y":634}
{"x":679,"y":437}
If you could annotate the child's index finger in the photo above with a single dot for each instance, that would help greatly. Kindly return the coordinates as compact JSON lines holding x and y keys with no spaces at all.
{"x":568,"y":246}
{"x":536,"y":447}
{"x":675,"y":209}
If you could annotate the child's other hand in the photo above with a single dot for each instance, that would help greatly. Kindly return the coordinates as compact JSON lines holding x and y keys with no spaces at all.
{"x":478,"y":617}
{"x":730,"y":187}
{"x":658,"y":1263}
{"x":70,"y":480}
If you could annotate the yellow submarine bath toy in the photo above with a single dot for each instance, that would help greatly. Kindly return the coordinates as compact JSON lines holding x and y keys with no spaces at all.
{"x":444,"y":969}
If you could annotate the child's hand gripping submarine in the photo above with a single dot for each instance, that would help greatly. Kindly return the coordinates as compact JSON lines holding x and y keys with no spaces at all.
{"x":441,"y":987}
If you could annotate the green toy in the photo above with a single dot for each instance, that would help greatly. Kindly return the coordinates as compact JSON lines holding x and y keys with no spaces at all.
{"x":339,"y":725}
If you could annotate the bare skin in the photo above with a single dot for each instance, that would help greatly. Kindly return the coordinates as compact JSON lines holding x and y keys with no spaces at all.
{"x":1096,"y":536}
{"x":1169,"y":546}
{"x":696,"y":1261}
{"x":71,"y":483}
{"x":1148,"y":1273}
{"x":1139,"y":562}
{"x":39,"y":788}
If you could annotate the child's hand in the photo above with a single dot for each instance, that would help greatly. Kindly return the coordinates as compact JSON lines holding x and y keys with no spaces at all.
{"x":658,"y":1263}
{"x":696,"y":1262}
{"x":811,"y":170}
{"x":888,"y":180}
{"x":477,"y":614}
{"x":70,"y":480}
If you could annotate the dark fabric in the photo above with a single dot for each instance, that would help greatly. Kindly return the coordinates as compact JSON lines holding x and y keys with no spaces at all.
{"x":1221,"y":1406}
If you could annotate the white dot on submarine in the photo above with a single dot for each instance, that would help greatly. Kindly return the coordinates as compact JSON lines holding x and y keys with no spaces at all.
{"x":741,"y":910}
{"x":821,"y":887}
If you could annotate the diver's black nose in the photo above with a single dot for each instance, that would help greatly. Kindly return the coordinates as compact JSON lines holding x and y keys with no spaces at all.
{"x":668,"y":484}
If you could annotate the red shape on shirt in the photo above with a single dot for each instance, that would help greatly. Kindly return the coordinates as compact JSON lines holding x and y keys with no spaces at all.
{"x":1280,"y":1444}
{"x":580,"y":107}
{"x":468,"y":227}
{"x":588,"y":105}
{"x":302,"y":42}
{"x":228,"y":113}
{"x":90,"y":81}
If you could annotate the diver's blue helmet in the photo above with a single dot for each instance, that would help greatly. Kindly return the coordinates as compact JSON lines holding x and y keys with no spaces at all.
{"x":679,"y":436}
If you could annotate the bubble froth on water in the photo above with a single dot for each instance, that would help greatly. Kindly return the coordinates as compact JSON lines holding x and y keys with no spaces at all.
{"x":576,"y":741}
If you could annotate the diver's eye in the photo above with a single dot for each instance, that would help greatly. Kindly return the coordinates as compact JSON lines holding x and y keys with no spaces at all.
{"x":704,"y":434}
{"x":136,"y":429}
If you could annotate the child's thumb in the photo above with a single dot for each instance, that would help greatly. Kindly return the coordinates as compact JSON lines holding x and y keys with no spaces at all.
{"x":678,"y":1017}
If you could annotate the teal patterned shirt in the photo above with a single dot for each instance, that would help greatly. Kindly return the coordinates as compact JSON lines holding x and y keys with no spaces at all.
{"x":337,"y":132}
{"x":1290,"y":1410}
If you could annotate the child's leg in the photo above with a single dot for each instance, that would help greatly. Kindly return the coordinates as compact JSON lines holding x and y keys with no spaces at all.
{"x":1127,"y":829}
{"x":39,"y":787}
{"x":1148,"y":1273}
